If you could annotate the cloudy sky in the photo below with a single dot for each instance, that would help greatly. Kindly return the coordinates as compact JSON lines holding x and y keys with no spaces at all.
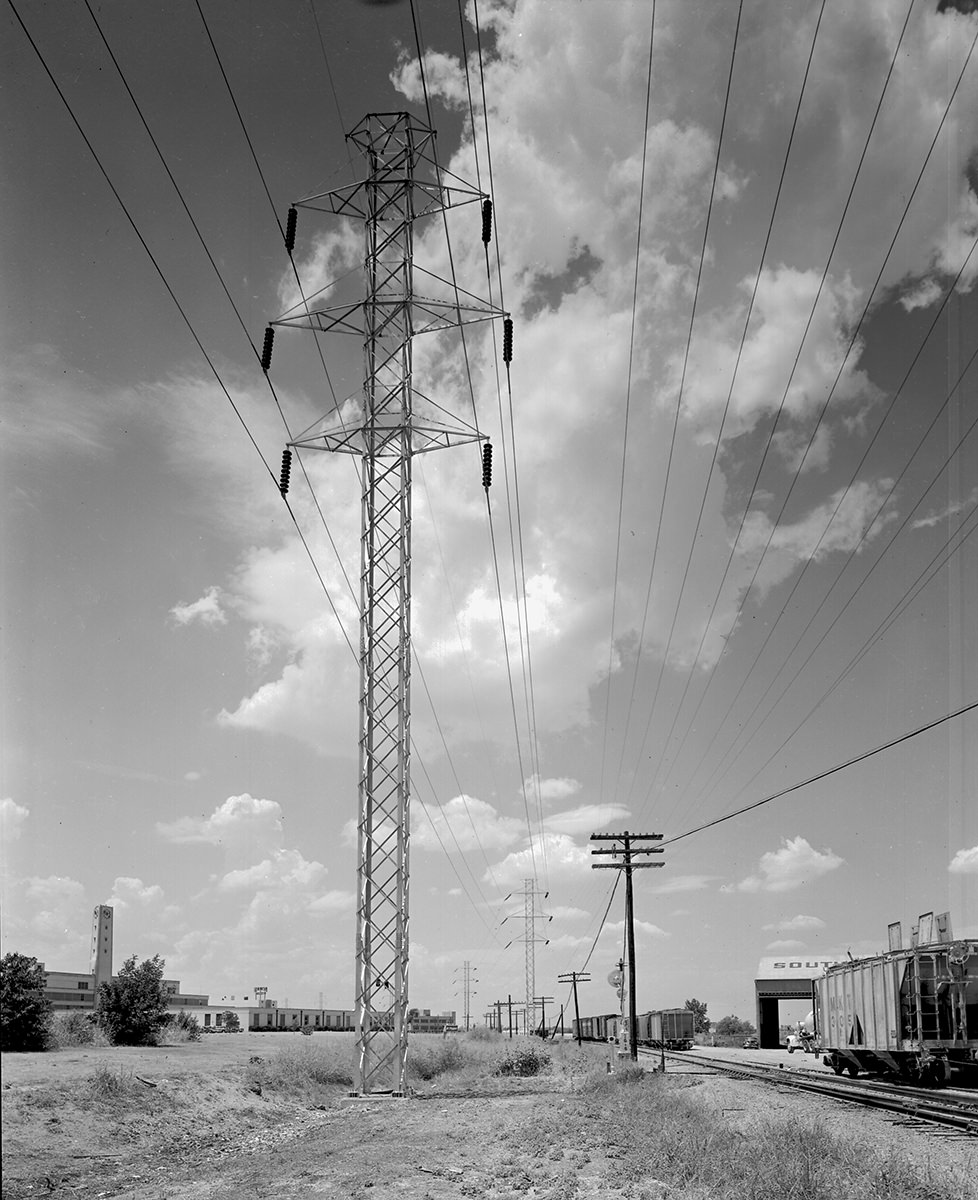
{"x":735,"y":486}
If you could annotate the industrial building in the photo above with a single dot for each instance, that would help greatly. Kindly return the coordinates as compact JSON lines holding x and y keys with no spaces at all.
{"x":73,"y":991}
{"x":783,"y":979}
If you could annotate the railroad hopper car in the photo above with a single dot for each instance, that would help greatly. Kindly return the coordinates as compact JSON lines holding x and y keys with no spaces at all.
{"x":669,"y":1027}
{"x":911,"y":1012}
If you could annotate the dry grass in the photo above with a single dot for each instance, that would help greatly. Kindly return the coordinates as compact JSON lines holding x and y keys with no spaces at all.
{"x":659,"y":1135}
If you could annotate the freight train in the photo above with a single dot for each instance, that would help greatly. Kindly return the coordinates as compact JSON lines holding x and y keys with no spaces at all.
{"x":671,"y":1028}
{"x":910,"y":1012}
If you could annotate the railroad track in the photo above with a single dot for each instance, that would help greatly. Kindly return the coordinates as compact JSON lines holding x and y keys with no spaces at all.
{"x":958,"y":1112}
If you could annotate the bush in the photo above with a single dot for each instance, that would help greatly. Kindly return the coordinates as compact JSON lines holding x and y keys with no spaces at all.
{"x":482,"y":1033}
{"x":67,"y":1029}
{"x":184,"y":1027}
{"x":524,"y":1060}
{"x":425,"y":1061}
{"x":24,"y":1009}
{"x":132,"y":1008}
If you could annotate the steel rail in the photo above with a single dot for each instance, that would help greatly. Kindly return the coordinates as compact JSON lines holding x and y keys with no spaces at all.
{"x":909,"y":1103}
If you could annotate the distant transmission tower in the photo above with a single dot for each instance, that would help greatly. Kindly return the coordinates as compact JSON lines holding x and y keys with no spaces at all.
{"x":388,"y":430}
{"x":530,"y":941}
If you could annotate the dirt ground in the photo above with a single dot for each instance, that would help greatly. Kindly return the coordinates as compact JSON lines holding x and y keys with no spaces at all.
{"x":185,"y":1125}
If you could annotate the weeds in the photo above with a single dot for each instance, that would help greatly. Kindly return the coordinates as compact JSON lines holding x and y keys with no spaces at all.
{"x":304,"y":1069}
{"x":68,"y":1029}
{"x":106,"y":1084}
{"x":524,"y":1060}
{"x":426,"y":1060}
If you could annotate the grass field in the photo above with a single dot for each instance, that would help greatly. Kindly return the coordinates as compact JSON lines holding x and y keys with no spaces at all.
{"x":252,"y":1114}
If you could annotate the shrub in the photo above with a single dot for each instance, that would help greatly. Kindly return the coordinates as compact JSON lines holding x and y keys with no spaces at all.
{"x":67,"y":1029}
{"x":482,"y":1033}
{"x":524,"y":1060}
{"x":184,"y":1027}
{"x":425,"y":1061}
{"x":24,"y":1009}
{"x":132,"y":1008}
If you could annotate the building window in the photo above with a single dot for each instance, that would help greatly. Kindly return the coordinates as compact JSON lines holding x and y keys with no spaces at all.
{"x":207,"y":1020}
{"x":83,"y":985}
{"x":220,"y":1018}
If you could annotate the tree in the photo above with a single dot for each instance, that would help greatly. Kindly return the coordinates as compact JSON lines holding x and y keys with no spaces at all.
{"x":24,"y":1009}
{"x":232,"y":1022}
{"x":734,"y":1025}
{"x":132,"y":1008}
{"x":701,"y":1022}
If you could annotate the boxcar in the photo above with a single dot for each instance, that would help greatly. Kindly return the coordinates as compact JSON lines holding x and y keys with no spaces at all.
{"x":910,"y":1012}
{"x":668,"y":1027}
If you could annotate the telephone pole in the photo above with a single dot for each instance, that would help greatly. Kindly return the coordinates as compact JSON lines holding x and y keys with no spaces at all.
{"x":626,"y":851}
{"x":574,"y":978}
{"x":386,"y":429}
{"x":543,"y":1001}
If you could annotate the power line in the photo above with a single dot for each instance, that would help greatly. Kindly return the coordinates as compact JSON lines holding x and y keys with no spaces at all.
{"x":905,"y":737}
{"x":682,"y":380}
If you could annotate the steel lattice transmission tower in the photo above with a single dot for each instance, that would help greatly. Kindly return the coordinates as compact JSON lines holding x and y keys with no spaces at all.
{"x":394,"y":422}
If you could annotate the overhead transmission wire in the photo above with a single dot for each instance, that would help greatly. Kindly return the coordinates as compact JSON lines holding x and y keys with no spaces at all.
{"x":193,"y":332}
{"x":784,"y":397}
{"x":682,"y":381}
{"x":513,"y":504}
{"x":892,"y":488}
{"x":438,"y":169}
{"x":904,"y":737}
{"x":835,"y":384}
{"x":628,"y":407}
{"x":726,"y":410}
{"x":937,"y":562}
{"x":868,"y":574}
{"x":845,"y":492}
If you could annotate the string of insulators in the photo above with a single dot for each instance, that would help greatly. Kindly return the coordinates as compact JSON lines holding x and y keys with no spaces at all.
{"x":508,"y":340}
{"x":290,"y":229}
{"x":266,"y":350}
{"x":487,"y":221}
{"x":487,"y":465}
{"x":283,"y":482}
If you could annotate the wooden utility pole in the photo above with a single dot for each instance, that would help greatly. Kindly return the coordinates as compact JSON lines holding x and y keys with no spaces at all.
{"x":626,"y":851}
{"x":573,"y":978}
{"x":542,"y":1001}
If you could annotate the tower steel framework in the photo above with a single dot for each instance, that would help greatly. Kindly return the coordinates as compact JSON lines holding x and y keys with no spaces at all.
{"x":394,"y":423}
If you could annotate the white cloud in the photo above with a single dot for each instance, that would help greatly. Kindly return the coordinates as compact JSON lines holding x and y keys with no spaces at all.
{"x":12,"y":819}
{"x":567,"y":912}
{"x":207,"y":610}
{"x":244,"y":826}
{"x":785,"y":944}
{"x":950,"y":510}
{"x":965,"y":862}
{"x":565,"y":859}
{"x":128,"y":892}
{"x":463,"y":823}
{"x":796,"y":923}
{"x":586,"y":818}
{"x":921,"y":295}
{"x":791,"y":866}
{"x":551,"y":789}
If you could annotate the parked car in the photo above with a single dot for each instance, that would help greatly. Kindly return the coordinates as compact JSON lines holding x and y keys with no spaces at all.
{"x":751,"y":1043}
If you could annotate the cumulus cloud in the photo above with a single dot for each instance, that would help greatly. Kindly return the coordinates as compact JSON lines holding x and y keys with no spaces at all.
{"x":965,"y":862}
{"x":207,"y":610}
{"x":551,"y":789}
{"x":791,"y":866}
{"x":796,"y":923}
{"x":128,"y":892}
{"x":12,"y":819}
{"x":565,"y":860}
{"x":243,"y":826}
{"x":463,"y":823}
